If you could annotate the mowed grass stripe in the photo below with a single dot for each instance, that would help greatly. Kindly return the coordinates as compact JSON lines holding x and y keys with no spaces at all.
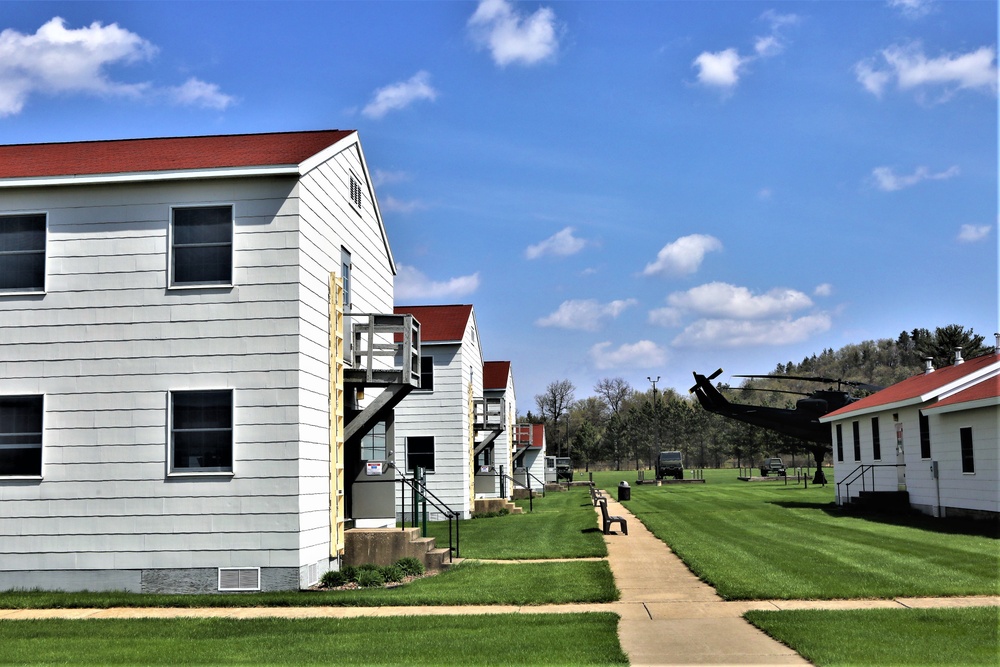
{"x":537,"y":639}
{"x":768,"y":540}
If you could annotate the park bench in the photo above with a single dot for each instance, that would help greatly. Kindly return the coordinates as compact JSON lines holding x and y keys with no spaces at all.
{"x":608,"y":520}
{"x":595,"y":494}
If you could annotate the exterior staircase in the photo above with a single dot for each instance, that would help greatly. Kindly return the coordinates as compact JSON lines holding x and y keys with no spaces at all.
{"x":880,"y":502}
{"x":385,"y":546}
{"x":486,"y":505}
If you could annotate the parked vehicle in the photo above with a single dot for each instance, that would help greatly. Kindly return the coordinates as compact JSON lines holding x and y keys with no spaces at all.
{"x":670,"y":464}
{"x":564,"y":469}
{"x":774,"y":465}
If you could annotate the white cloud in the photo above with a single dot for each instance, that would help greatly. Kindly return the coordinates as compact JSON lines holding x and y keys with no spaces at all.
{"x":382,"y":177}
{"x":584,"y":314}
{"x":195,"y":92}
{"x":400,"y":95}
{"x":511,"y":36}
{"x":683,"y":256}
{"x":739,"y":333}
{"x":913,"y":9}
{"x":643,"y":354}
{"x":666,"y":317}
{"x":911,"y":69}
{"x":973,"y":233}
{"x":394,"y":205}
{"x":824,"y":289}
{"x":887,"y":180}
{"x":413,"y":284}
{"x":721,"y":69}
{"x":562,"y":244}
{"x":60,"y":60}
{"x":719,"y":299}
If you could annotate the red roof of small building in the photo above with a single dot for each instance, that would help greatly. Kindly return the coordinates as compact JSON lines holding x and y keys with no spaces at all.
{"x":988,"y":388}
{"x":163,"y":154}
{"x":439,"y":323}
{"x":495,"y":374}
{"x":913,"y":388}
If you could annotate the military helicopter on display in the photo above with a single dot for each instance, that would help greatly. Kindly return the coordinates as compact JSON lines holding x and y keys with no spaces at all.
{"x":801,"y":422}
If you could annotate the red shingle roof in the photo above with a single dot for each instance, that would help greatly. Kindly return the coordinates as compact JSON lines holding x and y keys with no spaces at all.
{"x":439,"y":323}
{"x":989,"y":388}
{"x":911,"y":389}
{"x":163,"y":154}
{"x":495,"y":374}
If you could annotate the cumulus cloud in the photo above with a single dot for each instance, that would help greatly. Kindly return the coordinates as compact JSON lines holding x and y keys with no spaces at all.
{"x":61,"y":60}
{"x":824,"y":289}
{"x":643,"y":354}
{"x":561,"y":244}
{"x":198,"y":93}
{"x":400,"y":95}
{"x":973,"y":233}
{"x":394,"y":205}
{"x":913,"y":9}
{"x":719,"y":299}
{"x":683,"y":256}
{"x":911,"y":69}
{"x":382,"y":177}
{"x":887,"y":180}
{"x":584,"y":314}
{"x":413,"y":284}
{"x":513,"y":37}
{"x":740,"y":333}
{"x":722,"y":69}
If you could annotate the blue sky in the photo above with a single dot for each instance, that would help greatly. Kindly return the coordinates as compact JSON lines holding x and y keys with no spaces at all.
{"x":622,"y":189}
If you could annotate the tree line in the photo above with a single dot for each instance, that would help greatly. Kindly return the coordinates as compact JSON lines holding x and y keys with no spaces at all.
{"x":620,"y":426}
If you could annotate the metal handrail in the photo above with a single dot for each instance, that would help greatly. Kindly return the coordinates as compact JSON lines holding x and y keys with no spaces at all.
{"x":420,"y":488}
{"x":859,"y":473}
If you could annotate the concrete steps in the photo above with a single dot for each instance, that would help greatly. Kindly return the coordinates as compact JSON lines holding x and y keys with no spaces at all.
{"x":487,"y":505}
{"x":385,"y":546}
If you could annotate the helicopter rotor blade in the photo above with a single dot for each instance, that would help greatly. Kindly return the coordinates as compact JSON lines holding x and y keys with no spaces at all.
{"x":850,"y":383}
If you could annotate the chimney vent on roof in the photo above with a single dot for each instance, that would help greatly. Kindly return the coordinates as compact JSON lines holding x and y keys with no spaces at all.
{"x":958,"y":356}
{"x":996,"y":348}
{"x":928,"y":365}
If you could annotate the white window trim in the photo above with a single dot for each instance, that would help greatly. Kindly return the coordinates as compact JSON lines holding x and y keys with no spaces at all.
{"x":185,"y":472}
{"x":171,"y":285}
{"x":45,"y":275}
{"x":406,"y":462}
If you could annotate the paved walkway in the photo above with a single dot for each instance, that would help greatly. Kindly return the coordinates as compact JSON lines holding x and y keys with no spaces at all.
{"x":668,"y":616}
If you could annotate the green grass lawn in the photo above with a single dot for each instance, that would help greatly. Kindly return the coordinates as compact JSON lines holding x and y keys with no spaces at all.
{"x":561,"y":525}
{"x":508,"y":639}
{"x":465,"y":584}
{"x":887,"y":636}
{"x":758,"y":540}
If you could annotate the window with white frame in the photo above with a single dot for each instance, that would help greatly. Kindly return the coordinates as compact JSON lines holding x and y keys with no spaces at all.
{"x":201,"y":431}
{"x":840,"y":442}
{"x":420,"y":453}
{"x":21,"y":436}
{"x":968,"y":453}
{"x":202,"y":245}
{"x":373,"y":444}
{"x":876,"y":441}
{"x":856,"y":426}
{"x":22,"y":252}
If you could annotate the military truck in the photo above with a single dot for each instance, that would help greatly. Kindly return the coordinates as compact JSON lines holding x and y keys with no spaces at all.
{"x":774,"y":465}
{"x":670,"y":464}
{"x":564,"y":469}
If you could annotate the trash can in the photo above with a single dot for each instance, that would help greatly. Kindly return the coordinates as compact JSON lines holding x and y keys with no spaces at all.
{"x":624,"y":491}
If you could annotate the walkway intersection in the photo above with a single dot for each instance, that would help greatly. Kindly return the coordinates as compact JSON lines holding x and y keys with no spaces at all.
{"x":668,"y":616}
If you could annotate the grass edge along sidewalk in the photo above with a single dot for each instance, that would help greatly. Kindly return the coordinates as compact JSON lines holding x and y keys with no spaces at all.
{"x":541,"y":639}
{"x":930,"y":636}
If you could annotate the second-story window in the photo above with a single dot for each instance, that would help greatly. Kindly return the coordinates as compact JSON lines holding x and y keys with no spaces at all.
{"x":22,"y":253}
{"x":202,"y":246}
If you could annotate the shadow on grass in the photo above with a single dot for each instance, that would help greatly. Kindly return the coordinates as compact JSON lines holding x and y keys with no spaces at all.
{"x":950,"y":526}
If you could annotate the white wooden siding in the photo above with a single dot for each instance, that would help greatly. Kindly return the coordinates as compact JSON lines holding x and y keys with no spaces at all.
{"x":108,"y":342}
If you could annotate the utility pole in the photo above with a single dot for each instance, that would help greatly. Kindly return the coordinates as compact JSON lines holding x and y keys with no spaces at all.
{"x":656,"y":416}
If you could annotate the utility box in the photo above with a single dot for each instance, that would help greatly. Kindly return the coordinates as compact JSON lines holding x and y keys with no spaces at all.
{"x":624,"y":491}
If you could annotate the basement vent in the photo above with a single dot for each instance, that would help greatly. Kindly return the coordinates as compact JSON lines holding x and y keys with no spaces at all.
{"x":313,"y":574}
{"x":239,"y":578}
